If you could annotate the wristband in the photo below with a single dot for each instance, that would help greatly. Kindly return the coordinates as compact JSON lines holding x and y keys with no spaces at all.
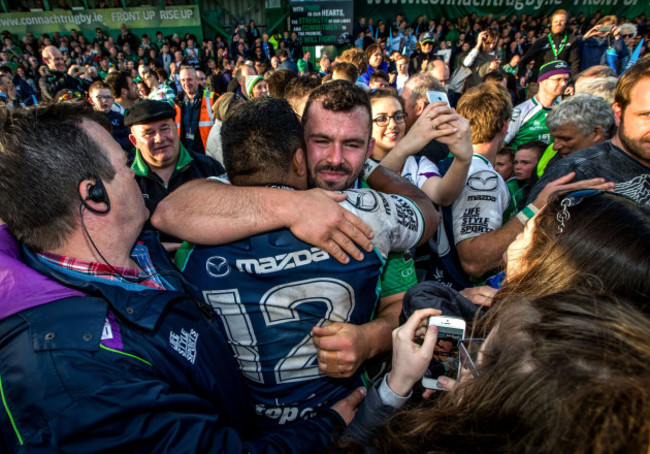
{"x":368,"y":167}
{"x":527,"y":213}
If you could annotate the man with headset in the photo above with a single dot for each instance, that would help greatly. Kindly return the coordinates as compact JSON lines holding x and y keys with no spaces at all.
{"x":124,"y":355}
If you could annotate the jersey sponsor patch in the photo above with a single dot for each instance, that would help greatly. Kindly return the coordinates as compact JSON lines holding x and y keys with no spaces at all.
{"x":486,"y":198}
{"x":217,"y":266}
{"x":363,"y":200}
{"x":406,"y":216}
{"x":184,"y":343}
{"x":281,"y":262}
{"x":473,"y":222}
{"x":484,"y":180}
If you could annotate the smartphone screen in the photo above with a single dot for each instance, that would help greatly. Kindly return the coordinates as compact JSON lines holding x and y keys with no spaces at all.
{"x":445,"y":359}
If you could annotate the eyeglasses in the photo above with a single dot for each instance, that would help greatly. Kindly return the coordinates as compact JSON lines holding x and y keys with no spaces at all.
{"x":627,"y":36}
{"x":468,"y":350}
{"x":558,"y":80}
{"x":103,"y":98}
{"x":383,"y":120}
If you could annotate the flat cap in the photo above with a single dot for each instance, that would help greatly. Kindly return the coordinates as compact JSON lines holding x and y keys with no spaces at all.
{"x":148,"y":111}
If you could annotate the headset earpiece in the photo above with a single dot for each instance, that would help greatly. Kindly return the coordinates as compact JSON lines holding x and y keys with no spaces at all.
{"x":97,"y":193}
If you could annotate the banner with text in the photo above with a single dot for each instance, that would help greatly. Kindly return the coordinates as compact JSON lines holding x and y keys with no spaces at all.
{"x":451,"y":9}
{"x":321,"y":23}
{"x":108,"y":19}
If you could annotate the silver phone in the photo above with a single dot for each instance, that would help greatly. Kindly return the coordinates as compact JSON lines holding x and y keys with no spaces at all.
{"x":445,"y":359}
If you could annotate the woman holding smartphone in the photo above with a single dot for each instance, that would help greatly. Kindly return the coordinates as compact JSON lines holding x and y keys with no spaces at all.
{"x":389,"y":134}
{"x":566,"y":372}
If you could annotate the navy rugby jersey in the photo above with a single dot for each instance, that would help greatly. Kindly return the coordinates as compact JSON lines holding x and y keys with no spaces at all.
{"x":271,"y":289}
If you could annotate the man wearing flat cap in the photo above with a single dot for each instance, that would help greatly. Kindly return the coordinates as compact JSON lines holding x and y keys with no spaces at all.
{"x":161,"y":162}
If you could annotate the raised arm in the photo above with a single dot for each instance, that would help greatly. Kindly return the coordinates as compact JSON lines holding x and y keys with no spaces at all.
{"x":441,"y":123}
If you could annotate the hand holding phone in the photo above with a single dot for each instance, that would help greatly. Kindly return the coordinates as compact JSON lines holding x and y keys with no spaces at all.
{"x":445,"y":359}
{"x":410,"y":358}
{"x":434,"y":96}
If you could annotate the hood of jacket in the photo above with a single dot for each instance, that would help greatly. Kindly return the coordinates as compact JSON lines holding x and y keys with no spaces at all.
{"x":22,"y":287}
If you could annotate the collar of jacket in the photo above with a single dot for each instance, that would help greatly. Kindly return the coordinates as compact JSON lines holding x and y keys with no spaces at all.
{"x":141,"y":168}
{"x":139,"y":304}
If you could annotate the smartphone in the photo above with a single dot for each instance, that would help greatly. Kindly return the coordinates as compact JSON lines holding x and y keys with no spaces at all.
{"x":606,"y":28}
{"x":83,"y":69}
{"x":445,"y":359}
{"x":434,"y":96}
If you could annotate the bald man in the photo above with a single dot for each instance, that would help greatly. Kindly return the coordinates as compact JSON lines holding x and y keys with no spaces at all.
{"x":439,"y":70}
{"x":55,"y":77}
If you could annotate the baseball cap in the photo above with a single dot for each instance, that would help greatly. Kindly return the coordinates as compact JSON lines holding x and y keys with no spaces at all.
{"x":426,"y":37}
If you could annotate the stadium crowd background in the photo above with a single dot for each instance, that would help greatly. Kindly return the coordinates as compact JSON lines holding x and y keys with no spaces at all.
{"x":92,"y":58}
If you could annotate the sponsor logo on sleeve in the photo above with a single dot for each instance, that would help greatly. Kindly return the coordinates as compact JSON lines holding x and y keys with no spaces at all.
{"x":473,"y":222}
{"x":405,"y":214}
{"x":363,"y":200}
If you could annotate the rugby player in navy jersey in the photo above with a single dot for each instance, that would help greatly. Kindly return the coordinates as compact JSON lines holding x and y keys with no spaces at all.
{"x":272,"y":289}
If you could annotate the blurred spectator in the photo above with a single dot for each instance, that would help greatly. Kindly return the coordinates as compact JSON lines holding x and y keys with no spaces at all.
{"x":424,"y":53}
{"x":557,"y":45}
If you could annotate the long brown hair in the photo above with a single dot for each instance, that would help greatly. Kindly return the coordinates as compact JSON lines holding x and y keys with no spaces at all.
{"x":605,"y":246}
{"x":560,"y":373}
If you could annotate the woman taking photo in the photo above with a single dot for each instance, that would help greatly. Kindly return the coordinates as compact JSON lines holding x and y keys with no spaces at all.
{"x":389,"y":134}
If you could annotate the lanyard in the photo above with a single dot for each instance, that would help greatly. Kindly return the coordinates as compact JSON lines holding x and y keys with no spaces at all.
{"x":555,"y":51}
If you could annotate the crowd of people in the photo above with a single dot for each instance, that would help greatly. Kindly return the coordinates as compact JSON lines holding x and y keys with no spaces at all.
{"x":234,"y":247}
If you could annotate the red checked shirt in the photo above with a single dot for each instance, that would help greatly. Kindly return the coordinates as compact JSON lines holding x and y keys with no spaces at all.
{"x":147,"y":276}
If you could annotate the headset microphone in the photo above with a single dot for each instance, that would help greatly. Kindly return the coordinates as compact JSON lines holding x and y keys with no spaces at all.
{"x":97,"y":193}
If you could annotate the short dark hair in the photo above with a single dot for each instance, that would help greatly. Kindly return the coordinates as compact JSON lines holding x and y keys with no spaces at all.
{"x":379,"y":75}
{"x":98,"y":85}
{"x":162,"y":74}
{"x":537,"y":146}
{"x":340,"y":96}
{"x":259,"y":139}
{"x":300,"y":87}
{"x":278,"y":82}
{"x":496,"y":75}
{"x":507,"y":150}
{"x":44,"y":154}
{"x":117,"y":81}
{"x":348,"y":69}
